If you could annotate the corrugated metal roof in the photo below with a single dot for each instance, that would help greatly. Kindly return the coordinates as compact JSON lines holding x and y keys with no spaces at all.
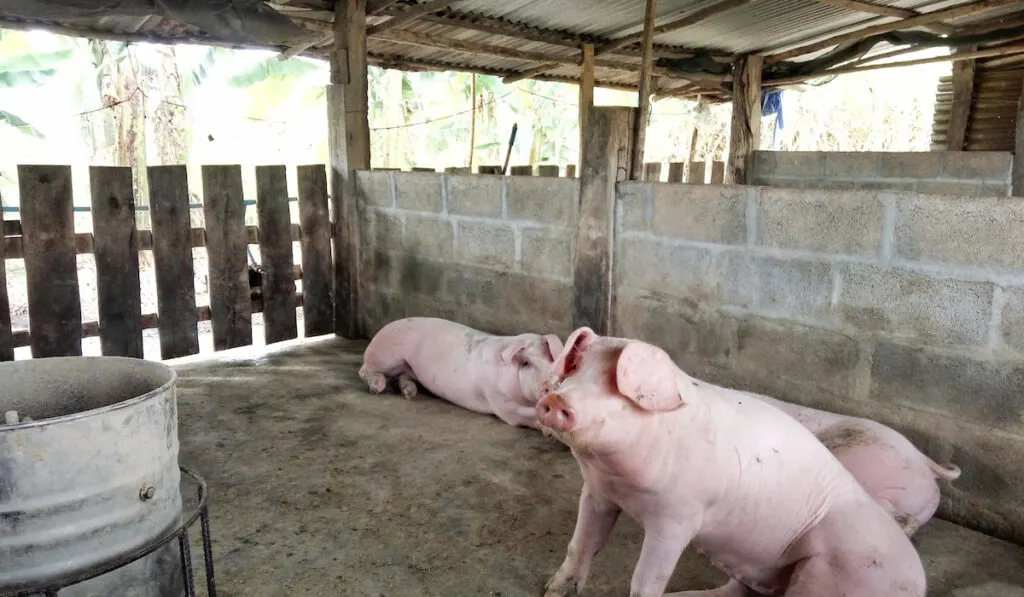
{"x":556,"y":27}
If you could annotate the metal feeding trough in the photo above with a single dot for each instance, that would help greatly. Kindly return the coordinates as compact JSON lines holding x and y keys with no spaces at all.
{"x":90,"y":486}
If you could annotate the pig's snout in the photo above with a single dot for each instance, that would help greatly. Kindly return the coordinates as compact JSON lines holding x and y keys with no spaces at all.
{"x":554,"y":412}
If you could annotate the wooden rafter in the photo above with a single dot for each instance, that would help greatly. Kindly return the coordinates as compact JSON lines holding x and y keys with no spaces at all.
{"x":1002,"y":51}
{"x":855,"y":36}
{"x":383,"y":61}
{"x":675,"y":24}
{"x":887,"y":11}
{"x":531,"y":73}
{"x":404,"y":17}
{"x":643,"y":92}
{"x":447,"y":43}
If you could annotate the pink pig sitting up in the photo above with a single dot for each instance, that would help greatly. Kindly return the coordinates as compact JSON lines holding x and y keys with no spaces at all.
{"x":892,"y":470}
{"x":741,"y":481}
{"x":481,"y":372}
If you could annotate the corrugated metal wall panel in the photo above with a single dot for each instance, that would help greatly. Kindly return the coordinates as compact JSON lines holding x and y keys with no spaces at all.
{"x":998,"y":86}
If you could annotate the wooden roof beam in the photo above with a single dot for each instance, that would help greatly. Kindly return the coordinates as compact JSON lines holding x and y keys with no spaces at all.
{"x":987,"y":53}
{"x":675,"y":24}
{"x":855,"y":36}
{"x":887,"y":11}
{"x":447,"y":43}
{"x":404,"y":17}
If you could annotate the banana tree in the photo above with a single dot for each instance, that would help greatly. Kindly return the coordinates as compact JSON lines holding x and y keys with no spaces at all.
{"x":21,"y":67}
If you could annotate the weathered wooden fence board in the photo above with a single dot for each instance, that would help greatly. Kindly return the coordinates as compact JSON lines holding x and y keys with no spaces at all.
{"x":676,"y":171}
{"x":51,"y":267}
{"x":696,"y":175}
{"x":224,"y":210}
{"x":652,"y":172}
{"x":172,"y":256}
{"x":116,"y":247}
{"x":6,"y":335}
{"x":317,"y":264}
{"x":547,"y":171}
{"x":276,"y":255}
{"x":717,"y":172}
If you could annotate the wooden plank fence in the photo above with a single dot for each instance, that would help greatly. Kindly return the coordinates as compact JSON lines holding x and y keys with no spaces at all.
{"x":44,"y":237}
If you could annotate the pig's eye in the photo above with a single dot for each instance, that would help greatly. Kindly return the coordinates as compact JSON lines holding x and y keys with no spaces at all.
{"x":524,"y":363}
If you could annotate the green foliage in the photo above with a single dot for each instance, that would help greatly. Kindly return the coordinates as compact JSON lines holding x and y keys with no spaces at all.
{"x":20,"y":125}
{"x":272,"y":69}
{"x":31,"y":69}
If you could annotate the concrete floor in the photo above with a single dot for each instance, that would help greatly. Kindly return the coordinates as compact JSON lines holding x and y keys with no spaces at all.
{"x":319,"y":488}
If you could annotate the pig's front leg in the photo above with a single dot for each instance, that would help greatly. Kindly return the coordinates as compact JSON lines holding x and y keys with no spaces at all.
{"x":664,"y":542}
{"x":594,"y":524}
{"x":517,"y":415}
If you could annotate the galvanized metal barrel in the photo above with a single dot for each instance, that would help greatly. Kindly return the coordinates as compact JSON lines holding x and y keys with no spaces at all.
{"x":92,"y":477}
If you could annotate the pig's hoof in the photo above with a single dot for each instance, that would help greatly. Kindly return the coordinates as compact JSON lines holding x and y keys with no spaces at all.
{"x":558,"y":587}
{"x":376,"y":381}
{"x":407,"y":386}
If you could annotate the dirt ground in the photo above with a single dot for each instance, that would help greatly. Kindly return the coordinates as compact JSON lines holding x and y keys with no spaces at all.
{"x":319,"y":488}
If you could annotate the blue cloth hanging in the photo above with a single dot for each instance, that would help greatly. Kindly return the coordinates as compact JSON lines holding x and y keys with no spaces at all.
{"x":771,"y":103}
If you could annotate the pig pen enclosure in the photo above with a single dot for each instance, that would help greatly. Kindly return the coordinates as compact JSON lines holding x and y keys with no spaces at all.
{"x":887,"y":285}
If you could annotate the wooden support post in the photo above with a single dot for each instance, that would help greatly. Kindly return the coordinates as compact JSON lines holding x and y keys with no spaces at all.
{"x":1017,"y":186}
{"x":570,"y":170}
{"x":963,"y":92}
{"x":640,"y":122}
{"x":606,"y":157}
{"x":586,"y":91}
{"x":348,"y":140}
{"x":6,"y":334}
{"x":745,"y":132}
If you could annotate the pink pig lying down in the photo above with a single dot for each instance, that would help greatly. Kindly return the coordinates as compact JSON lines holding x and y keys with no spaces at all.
{"x":481,"y":372}
{"x":892,"y":470}
{"x":695,"y":464}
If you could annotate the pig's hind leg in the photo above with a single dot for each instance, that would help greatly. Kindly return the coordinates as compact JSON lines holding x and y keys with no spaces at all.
{"x":407,"y":385}
{"x":374,"y":379}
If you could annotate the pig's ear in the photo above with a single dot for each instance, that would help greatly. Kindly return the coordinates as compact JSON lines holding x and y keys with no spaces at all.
{"x":554,"y":345}
{"x":515,"y":352}
{"x":646,"y":375}
{"x":568,"y":359}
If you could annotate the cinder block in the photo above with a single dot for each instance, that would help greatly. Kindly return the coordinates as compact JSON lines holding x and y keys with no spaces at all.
{"x":550,"y":201}
{"x":485,"y":244}
{"x":374,"y":188}
{"x":532,"y":300}
{"x":429,"y":237}
{"x":547,"y":252}
{"x":821,"y":221}
{"x":671,"y":270}
{"x":715,"y":214}
{"x":803,"y":164}
{"x":874,"y":185}
{"x":379,"y":309}
{"x":970,"y":390}
{"x":419,"y":276}
{"x":380,"y":269}
{"x":977,"y":165}
{"x":812,"y":359}
{"x":763,"y":165}
{"x":633,"y":204}
{"x":910,"y":305}
{"x":382,"y":231}
{"x":994,"y":189}
{"x":792,"y":287}
{"x":986,"y":233}
{"x":917,"y":164}
{"x":949,"y":187}
{"x":471,"y":285}
{"x":692,"y":337}
{"x":857,"y":165}
{"x":418,"y":191}
{"x":1012,"y":322}
{"x":475,"y":195}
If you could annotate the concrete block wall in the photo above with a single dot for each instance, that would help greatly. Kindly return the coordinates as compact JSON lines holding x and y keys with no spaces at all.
{"x":492,"y":252}
{"x":905,"y":308}
{"x":964,"y":173}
